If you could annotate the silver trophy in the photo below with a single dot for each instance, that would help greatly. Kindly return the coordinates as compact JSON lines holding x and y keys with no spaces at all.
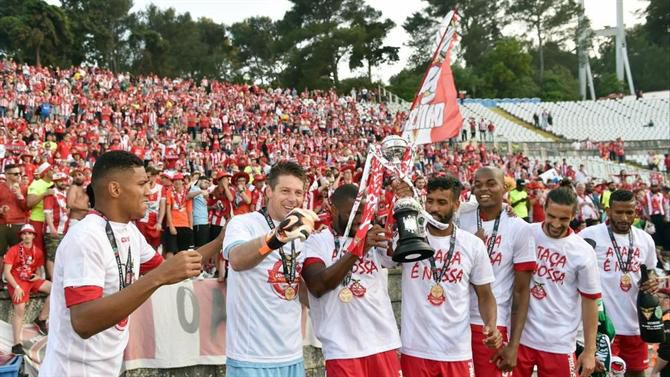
{"x":412,"y":245}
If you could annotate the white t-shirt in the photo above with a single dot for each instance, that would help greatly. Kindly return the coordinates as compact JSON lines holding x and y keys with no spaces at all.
{"x":365,"y":325}
{"x":513,"y":249}
{"x":262,"y":326}
{"x":442,"y":332}
{"x":566,"y":268}
{"x":85,"y":258}
{"x":621,"y":300}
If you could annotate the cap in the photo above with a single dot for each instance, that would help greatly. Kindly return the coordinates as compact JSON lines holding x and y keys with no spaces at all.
{"x":27,"y":229}
{"x":520,"y":182}
{"x":219,"y":175}
{"x":177,"y":177}
{"x":59,"y":176}
{"x":259,"y":178}
{"x":42,"y":168}
{"x":241,"y":175}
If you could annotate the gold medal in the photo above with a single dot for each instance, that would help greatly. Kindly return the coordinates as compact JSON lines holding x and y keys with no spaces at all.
{"x":437,"y":291}
{"x":289,"y":293}
{"x":345,"y":295}
{"x":626,"y":282}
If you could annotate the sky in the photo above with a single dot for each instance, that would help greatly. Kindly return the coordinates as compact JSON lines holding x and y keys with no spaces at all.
{"x":601,"y":12}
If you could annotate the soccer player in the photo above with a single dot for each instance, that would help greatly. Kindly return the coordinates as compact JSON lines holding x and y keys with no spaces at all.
{"x":512,"y":255}
{"x":436,"y":294}
{"x":566,"y":269}
{"x":264,"y":251}
{"x":621,"y":249}
{"x":349,"y":302}
{"x":96,"y":282}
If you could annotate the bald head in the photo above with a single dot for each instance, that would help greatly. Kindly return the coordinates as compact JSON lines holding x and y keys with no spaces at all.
{"x":489,"y":188}
{"x":491,"y":171}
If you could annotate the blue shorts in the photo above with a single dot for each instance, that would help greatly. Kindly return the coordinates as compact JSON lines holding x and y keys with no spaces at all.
{"x":236,"y":368}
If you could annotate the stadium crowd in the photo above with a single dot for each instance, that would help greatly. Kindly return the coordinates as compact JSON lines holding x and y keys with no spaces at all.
{"x":208,"y":147}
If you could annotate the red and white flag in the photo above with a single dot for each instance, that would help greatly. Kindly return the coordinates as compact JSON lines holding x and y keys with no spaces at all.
{"x":434,"y":115}
{"x":373,"y":191}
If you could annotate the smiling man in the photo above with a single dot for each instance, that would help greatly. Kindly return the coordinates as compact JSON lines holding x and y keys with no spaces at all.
{"x":436,"y":294}
{"x":96,"y":282}
{"x":264,"y":249}
{"x":512,"y":255}
{"x":566,"y":269}
{"x":621,"y":249}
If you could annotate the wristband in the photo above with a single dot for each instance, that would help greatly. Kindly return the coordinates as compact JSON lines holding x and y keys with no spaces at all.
{"x":270,"y":242}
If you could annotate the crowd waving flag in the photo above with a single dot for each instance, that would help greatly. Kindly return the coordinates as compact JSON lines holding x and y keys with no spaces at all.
{"x":434,"y":115}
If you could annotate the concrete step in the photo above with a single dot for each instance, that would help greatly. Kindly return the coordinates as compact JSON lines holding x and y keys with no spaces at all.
{"x":524,"y":124}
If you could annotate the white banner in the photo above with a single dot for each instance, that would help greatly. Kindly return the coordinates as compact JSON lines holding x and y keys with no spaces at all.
{"x":181,"y":325}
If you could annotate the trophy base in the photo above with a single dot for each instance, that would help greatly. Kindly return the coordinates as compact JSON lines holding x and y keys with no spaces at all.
{"x":412,"y":251}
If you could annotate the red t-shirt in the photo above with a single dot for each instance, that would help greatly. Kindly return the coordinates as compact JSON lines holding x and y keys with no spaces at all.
{"x":25,"y":262}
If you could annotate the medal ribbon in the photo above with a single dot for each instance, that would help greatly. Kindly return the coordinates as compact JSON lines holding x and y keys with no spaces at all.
{"x":452,"y":245}
{"x":347,"y":278}
{"x":289,"y":272}
{"x":629,"y":256}
{"x":492,"y":239}
{"x":123,"y":282}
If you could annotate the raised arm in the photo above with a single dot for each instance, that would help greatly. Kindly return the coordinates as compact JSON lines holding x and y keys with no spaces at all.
{"x":110,"y":310}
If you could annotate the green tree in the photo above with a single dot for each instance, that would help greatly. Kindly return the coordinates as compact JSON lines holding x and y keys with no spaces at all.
{"x":607,"y":83}
{"x":479,"y":26}
{"x":507,"y":71}
{"x":545,"y":18}
{"x":560,"y":85}
{"x":658,"y":22}
{"x":35,"y":31}
{"x":370,"y":32}
{"x":649,"y":63}
{"x":406,"y":82}
{"x":170,"y":44}
{"x":317,"y":35}
{"x":257,"y":40}
{"x":100,"y":28}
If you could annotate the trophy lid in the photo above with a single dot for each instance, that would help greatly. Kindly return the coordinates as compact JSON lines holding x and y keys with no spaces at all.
{"x":407,"y":203}
{"x":394,"y":147}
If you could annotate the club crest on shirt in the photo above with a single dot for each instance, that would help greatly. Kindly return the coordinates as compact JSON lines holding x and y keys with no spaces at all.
{"x":538,"y":290}
{"x":278,"y":281}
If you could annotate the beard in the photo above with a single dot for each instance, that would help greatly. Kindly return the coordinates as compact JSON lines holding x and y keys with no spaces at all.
{"x":444,"y":218}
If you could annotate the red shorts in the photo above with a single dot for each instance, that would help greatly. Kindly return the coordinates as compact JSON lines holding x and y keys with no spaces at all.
{"x":633,"y":350}
{"x":379,"y":364}
{"x":418,"y":367}
{"x":28,"y":288}
{"x":481,"y":354}
{"x":152,"y":236}
{"x":548,"y":364}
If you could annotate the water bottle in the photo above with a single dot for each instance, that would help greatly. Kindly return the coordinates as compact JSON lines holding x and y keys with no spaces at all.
{"x":649,"y":313}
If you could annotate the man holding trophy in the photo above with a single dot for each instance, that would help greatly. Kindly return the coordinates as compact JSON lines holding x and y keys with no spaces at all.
{"x":349,"y":302}
{"x":436,"y":293}
{"x":438,"y":270}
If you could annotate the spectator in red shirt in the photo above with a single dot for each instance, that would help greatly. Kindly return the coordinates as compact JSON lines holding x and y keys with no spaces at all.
{"x":242,"y":200}
{"x":12,"y":208}
{"x":22,"y":264}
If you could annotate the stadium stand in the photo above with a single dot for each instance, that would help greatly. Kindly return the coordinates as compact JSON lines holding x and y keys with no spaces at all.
{"x":505,"y":128}
{"x":630,"y":119}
